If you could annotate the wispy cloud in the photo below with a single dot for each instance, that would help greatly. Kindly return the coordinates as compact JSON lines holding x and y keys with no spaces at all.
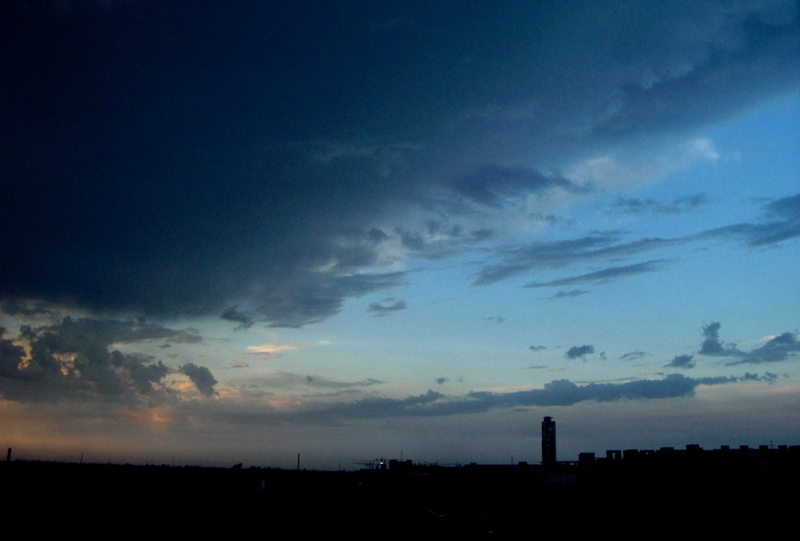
{"x":780,"y":222}
{"x":559,"y":254}
{"x":494,"y":185}
{"x":634,"y":205}
{"x":681,"y":361}
{"x":287,"y":380}
{"x":274,"y":350}
{"x":579,"y":352}
{"x":603,"y":276}
{"x":386,"y":307}
{"x":633,"y":355}
{"x":570,"y":294}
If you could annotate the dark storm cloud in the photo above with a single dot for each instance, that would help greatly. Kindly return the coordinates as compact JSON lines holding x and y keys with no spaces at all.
{"x":73,"y":359}
{"x":604,"y":275}
{"x":11,"y":356}
{"x":386,"y":307}
{"x":232,"y":314}
{"x":309,"y":299}
{"x":14,"y":307}
{"x":143,"y":376}
{"x":722,"y":49}
{"x":190,"y":157}
{"x":681,"y":361}
{"x":576,"y":352}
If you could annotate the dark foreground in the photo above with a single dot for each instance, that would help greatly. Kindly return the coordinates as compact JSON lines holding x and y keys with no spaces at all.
{"x":645,"y":493}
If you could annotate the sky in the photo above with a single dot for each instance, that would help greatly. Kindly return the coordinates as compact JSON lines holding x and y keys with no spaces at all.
{"x":243,"y":231}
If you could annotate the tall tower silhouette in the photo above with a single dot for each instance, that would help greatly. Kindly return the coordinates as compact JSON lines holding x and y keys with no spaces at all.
{"x":548,"y":441}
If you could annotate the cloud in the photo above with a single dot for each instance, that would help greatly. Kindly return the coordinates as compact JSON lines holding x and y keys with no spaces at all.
{"x":441,"y":381}
{"x":558,"y":254}
{"x":768,"y":377}
{"x":240,"y":188}
{"x":232,"y":314}
{"x":555,"y":393}
{"x":288,"y":380}
{"x":493,"y":185}
{"x":569,"y":294}
{"x":26,"y":308}
{"x":386,"y":307}
{"x":633,"y":205}
{"x":536,"y":348}
{"x":603,"y":276}
{"x":633,"y":355}
{"x":186,"y":336}
{"x":375,"y":407}
{"x":317,"y":381}
{"x":681,"y":361}
{"x":780,"y":222}
{"x":576,"y":352}
{"x":566,"y":393}
{"x":272,"y":350}
{"x":777,"y":349}
{"x":11,"y":357}
{"x":75,"y":360}
{"x":143,"y":376}
{"x":201,"y":377}
{"x":711,"y":345}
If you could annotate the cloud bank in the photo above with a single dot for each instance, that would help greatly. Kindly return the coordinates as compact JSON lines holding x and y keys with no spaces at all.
{"x":274,"y":177}
{"x":76,"y":360}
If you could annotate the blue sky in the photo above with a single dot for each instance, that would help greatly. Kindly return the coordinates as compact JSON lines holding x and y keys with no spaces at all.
{"x":240,"y":232}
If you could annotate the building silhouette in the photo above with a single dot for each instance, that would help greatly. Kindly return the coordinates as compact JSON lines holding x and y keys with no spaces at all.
{"x":548,"y":441}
